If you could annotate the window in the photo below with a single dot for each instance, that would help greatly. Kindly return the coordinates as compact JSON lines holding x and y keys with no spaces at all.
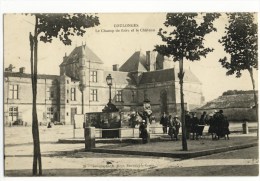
{"x":68,"y":81}
{"x":93,"y":95}
{"x":13,"y":113}
{"x":93,"y":76}
{"x":50,"y":112}
{"x":119,"y":96}
{"x":50,"y":93}
{"x":13,"y":92}
{"x":73,"y":94}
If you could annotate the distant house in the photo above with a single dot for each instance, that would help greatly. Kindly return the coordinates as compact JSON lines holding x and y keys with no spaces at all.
{"x":143,"y":76}
{"x":237,"y":105}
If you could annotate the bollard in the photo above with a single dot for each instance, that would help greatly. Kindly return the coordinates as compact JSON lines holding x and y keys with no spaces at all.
{"x":90,"y":141}
{"x":245,"y":127}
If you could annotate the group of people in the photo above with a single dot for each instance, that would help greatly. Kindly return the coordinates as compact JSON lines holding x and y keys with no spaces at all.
{"x":194,"y":125}
{"x":217,"y":122}
{"x":173,"y":123}
{"x":218,"y":125}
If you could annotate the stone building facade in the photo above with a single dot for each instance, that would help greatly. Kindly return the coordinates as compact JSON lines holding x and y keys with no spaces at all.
{"x":81,"y":87}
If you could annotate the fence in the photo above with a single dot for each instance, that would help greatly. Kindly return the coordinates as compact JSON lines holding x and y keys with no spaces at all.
{"x":155,"y":130}
{"x":130,"y":132}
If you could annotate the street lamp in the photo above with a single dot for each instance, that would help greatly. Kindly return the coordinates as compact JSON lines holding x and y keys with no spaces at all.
{"x":109,"y":83}
{"x":109,"y":107}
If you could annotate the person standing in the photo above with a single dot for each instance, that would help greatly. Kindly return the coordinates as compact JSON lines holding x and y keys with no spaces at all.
{"x":187,"y":124}
{"x":215,"y":124}
{"x":143,"y":132}
{"x":177,"y":125}
{"x":211,"y":126}
{"x":202,"y":123}
{"x":194,"y":126}
{"x":164,"y":122}
{"x":171,"y":127}
{"x":221,"y":125}
{"x":226,"y":128}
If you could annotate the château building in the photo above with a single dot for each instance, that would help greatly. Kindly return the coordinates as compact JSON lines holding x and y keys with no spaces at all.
{"x":143,"y":76}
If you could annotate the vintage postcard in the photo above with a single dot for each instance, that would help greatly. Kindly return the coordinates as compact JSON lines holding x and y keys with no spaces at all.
{"x":130,"y":94}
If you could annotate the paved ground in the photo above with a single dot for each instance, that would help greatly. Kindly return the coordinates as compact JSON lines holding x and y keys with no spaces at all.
{"x":236,"y":163}
{"x":24,"y":134}
{"x":242,"y":162}
{"x":193,"y":145}
{"x":70,"y":160}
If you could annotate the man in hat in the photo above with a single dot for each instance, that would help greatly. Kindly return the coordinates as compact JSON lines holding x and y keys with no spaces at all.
{"x":194,"y":125}
{"x":164,"y":122}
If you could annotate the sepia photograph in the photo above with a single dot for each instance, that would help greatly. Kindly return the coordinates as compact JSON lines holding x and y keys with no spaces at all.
{"x":130,"y":94}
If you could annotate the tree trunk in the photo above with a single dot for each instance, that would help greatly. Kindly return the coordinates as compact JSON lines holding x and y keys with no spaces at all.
{"x":255,"y":98}
{"x":181,"y":76}
{"x":33,"y":110}
{"x":35,"y":128}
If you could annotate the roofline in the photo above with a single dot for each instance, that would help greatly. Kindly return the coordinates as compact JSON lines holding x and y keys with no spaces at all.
{"x":26,"y":75}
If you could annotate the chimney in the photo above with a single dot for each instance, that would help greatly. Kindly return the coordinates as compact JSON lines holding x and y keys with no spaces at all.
{"x":148,"y":60}
{"x":116,"y":67}
{"x":65,"y":57}
{"x":151,"y":60}
{"x":22,"y":70}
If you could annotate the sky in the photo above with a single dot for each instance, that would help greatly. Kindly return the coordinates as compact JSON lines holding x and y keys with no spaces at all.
{"x":116,"y":47}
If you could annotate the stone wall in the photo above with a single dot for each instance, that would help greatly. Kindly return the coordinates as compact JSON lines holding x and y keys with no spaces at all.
{"x":24,"y":101}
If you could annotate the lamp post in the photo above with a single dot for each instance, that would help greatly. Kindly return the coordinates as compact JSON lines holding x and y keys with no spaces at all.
{"x":109,"y":83}
{"x":109,"y":107}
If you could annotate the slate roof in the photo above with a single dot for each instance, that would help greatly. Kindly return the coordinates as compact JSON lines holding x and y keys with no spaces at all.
{"x":136,"y":63}
{"x":230,"y":101}
{"x":158,"y":76}
{"x":24,"y":75}
{"x":120,"y":77}
{"x":79,"y":52}
{"x":164,"y":75}
{"x":189,"y":76}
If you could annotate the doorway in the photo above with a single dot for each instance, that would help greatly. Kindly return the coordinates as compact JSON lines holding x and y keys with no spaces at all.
{"x":164,"y":103}
{"x":72,"y":113}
